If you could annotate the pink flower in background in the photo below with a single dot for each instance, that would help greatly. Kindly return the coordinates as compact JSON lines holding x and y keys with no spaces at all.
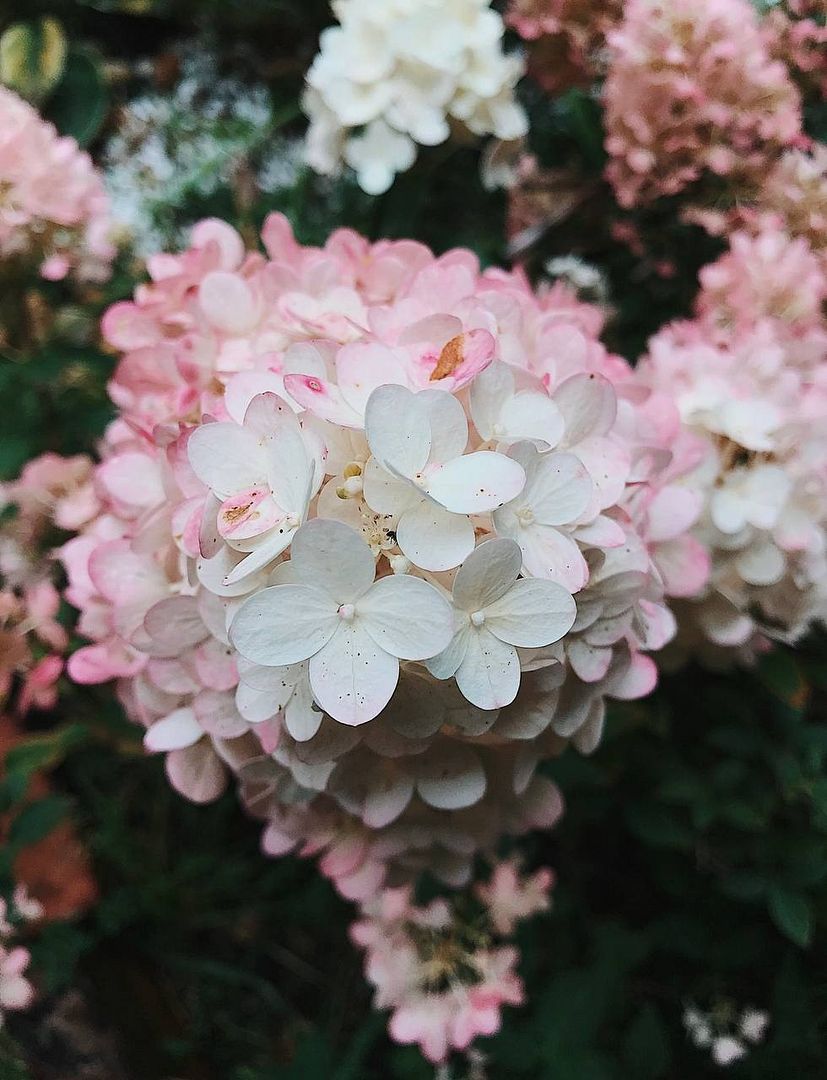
{"x":692,"y":89}
{"x":749,"y":375}
{"x":445,"y":980}
{"x":54,"y":208}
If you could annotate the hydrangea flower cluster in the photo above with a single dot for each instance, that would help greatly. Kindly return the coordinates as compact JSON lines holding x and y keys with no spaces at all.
{"x":442,"y":975}
{"x":54,"y":209}
{"x":797,"y":35}
{"x":379,"y":532}
{"x":50,"y":491}
{"x":750,"y":377}
{"x":567,"y":38}
{"x":396,"y":74}
{"x":693,"y":89}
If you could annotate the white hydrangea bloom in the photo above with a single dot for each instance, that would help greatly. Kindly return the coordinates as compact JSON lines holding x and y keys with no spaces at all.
{"x":394,"y":74}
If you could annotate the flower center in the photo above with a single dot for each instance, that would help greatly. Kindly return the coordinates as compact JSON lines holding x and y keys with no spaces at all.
{"x":346,"y":612}
{"x":477,"y":618}
{"x":525,"y":516}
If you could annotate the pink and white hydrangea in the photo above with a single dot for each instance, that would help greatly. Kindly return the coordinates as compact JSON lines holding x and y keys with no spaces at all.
{"x":378,"y":533}
{"x":749,"y":375}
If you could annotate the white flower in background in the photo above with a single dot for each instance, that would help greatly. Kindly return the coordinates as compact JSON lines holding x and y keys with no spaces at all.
{"x":395,"y":73}
{"x":262,"y":475}
{"x":352,"y":629}
{"x":724,"y":1032}
{"x":496,"y":611}
{"x":182,"y":145}
{"x":420,"y":474}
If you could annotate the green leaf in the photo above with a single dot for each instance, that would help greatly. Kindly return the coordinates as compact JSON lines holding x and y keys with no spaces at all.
{"x":646,"y":1046}
{"x":44,"y":751}
{"x":781,"y":673}
{"x":79,"y":103}
{"x":36,"y":820}
{"x":657,"y":827}
{"x":792,"y":914}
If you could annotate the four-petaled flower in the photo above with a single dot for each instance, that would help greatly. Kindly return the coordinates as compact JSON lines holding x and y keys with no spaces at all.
{"x":495,"y":611}
{"x":420,"y":474}
{"x":352,"y":629}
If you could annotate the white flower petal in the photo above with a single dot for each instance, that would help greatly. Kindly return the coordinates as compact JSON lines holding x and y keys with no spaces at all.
{"x":331,"y":556}
{"x":449,"y":428}
{"x":387,"y":797}
{"x":489,"y":390}
{"x":270,"y":547}
{"x":476,"y":483}
{"x":530,"y":415}
{"x":289,"y":467}
{"x":551,"y":554}
{"x":489,"y":675}
{"x":225,"y":457}
{"x":352,"y":678}
{"x":385,"y":493}
{"x":397,"y":429}
{"x":174,"y":732}
{"x":488,"y":572}
{"x":433,"y":538}
{"x":284,"y":624}
{"x":301,"y":716}
{"x":532,"y":614}
{"x":588,"y":404}
{"x":406,"y":617}
{"x":558,"y":487}
{"x":450,"y":777}
{"x":445,"y":665}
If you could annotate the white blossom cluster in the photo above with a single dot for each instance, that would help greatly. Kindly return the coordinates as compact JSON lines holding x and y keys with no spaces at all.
{"x":180,"y":146}
{"x":396,"y":73}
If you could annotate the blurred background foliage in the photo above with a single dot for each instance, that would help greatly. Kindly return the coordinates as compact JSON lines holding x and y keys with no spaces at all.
{"x":692,"y":859}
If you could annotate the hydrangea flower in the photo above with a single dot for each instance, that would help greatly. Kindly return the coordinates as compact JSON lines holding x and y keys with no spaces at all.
{"x":445,"y":980}
{"x":394,"y":75}
{"x":54,"y":208}
{"x":378,"y":532}
{"x":693,"y":89}
{"x":749,"y":375}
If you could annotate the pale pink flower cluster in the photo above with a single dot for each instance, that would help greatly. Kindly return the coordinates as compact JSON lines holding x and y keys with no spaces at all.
{"x":51,"y":490}
{"x":53,"y":206}
{"x":379,"y":533}
{"x":692,"y":90}
{"x":796,"y":32}
{"x":749,"y":375}
{"x":445,"y":977}
{"x":567,"y":38}
{"x":16,"y":992}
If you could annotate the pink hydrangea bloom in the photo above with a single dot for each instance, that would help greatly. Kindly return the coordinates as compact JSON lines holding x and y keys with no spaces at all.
{"x":796,"y":33}
{"x":446,"y":981}
{"x":378,"y":533}
{"x":692,"y":89}
{"x":54,"y":208}
{"x":51,"y":491}
{"x":749,"y":375}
